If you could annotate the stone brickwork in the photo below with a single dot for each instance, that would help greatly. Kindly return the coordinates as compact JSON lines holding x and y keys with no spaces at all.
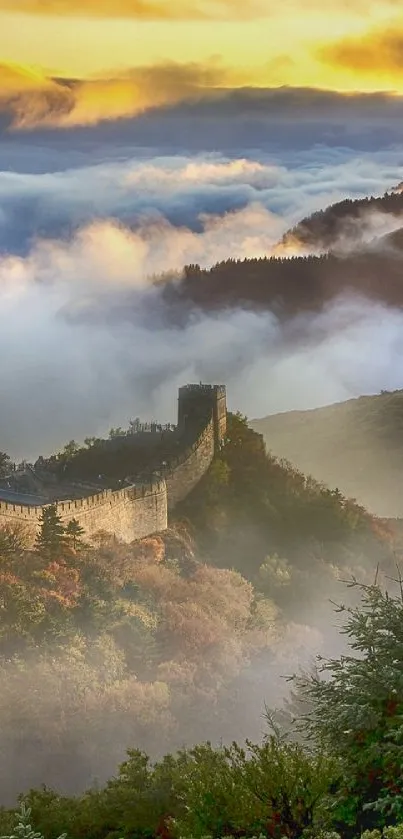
{"x":182,"y":476}
{"x":142,"y":509}
{"x":130,"y":513}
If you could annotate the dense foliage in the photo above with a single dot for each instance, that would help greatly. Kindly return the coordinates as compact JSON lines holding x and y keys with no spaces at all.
{"x":99,"y":644}
{"x":347,"y":777}
{"x":323,"y":256}
{"x":106,"y":646}
{"x":290,"y":285}
{"x":288,"y":534}
{"x":6,"y":465}
{"x":126,"y":452}
{"x":325,"y":227}
{"x":357,"y":713}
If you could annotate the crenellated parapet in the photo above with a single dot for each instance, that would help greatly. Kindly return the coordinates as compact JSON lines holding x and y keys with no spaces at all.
{"x":142,"y":507}
{"x":130,"y":513}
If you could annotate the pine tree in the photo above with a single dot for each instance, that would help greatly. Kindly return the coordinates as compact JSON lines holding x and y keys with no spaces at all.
{"x":74,"y":534}
{"x":23,"y":828}
{"x":13,"y":540}
{"x":50,"y":541}
{"x":5,"y":465}
{"x":357,"y":711}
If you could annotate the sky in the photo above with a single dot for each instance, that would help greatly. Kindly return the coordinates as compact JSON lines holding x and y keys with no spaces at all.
{"x":128,"y":56}
{"x":137,"y":136}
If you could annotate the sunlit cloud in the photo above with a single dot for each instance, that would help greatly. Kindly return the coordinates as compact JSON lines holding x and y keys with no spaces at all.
{"x":105,"y":253}
{"x":34,"y":99}
{"x":378,"y":52}
{"x":213,"y":172}
{"x":182,"y":9}
{"x":266,"y":196}
{"x":142,"y":9}
{"x":88,"y":306}
{"x":278,"y":41}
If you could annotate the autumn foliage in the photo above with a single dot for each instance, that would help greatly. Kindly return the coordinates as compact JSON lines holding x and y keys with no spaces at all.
{"x":108,"y":645}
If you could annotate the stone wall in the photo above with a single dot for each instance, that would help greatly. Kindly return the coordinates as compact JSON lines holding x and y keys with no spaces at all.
{"x":183,"y":475}
{"x":142,"y":509}
{"x":220,"y":415}
{"x":130,"y":513}
{"x":201,"y":402}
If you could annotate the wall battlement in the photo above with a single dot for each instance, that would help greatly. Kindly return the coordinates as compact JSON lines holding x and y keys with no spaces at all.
{"x":141,"y":508}
{"x":130,"y":513}
{"x":203,"y":389}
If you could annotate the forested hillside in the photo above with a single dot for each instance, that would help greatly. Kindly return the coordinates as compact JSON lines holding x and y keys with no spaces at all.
{"x":355,"y":446}
{"x":336,"y":772}
{"x":284,"y":531}
{"x":346,"y":247}
{"x":287,"y":286}
{"x":325,"y":228}
{"x":159,"y":642}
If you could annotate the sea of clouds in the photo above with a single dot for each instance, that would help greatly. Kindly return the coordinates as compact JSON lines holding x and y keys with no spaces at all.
{"x":83,"y":332}
{"x":85,"y":341}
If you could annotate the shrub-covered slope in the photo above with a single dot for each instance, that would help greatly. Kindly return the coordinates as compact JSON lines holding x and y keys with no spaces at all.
{"x":354,"y":445}
{"x":160,"y":642}
{"x":325,"y":228}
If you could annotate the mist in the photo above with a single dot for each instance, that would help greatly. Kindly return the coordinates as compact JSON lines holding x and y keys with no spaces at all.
{"x":87,"y":343}
{"x":88,"y":710}
{"x":53,"y":195}
{"x":89,"y":346}
{"x":84,"y":330}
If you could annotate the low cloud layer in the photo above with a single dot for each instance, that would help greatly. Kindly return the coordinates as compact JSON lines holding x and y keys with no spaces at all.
{"x":87,"y":346}
{"x":34,"y":99}
{"x":88,"y":214}
{"x":263,"y":195}
{"x":84,"y":225}
{"x":170,"y":93}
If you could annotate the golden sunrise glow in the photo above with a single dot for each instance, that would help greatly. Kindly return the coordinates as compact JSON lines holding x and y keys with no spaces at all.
{"x":153,"y":57}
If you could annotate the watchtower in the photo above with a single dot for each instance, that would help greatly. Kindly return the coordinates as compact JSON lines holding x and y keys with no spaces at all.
{"x":197,"y":404}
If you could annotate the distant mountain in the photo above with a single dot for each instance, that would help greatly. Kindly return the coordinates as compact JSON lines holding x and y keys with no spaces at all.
{"x":390,"y":241}
{"x":290,"y":286}
{"x":343,"y":222}
{"x":354,"y":246}
{"x":356,"y":446}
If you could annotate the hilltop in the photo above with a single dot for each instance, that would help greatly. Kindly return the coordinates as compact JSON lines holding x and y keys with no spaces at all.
{"x":288,"y":286}
{"x":354,"y":445}
{"x":341,"y":221}
{"x":349,"y":247}
{"x":111,"y":645}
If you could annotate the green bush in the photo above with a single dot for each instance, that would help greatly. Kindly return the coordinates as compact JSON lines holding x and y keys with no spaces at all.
{"x":23,"y":829}
{"x":357,"y":713}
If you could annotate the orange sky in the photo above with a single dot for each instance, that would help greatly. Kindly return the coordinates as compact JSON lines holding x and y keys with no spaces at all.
{"x":124,"y":50}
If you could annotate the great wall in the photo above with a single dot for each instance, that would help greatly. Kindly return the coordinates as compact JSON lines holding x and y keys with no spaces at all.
{"x":142,"y":508}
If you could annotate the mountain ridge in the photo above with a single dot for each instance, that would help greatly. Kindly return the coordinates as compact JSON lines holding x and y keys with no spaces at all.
{"x":325,"y":227}
{"x":352,"y":247}
{"x":355,"y":445}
